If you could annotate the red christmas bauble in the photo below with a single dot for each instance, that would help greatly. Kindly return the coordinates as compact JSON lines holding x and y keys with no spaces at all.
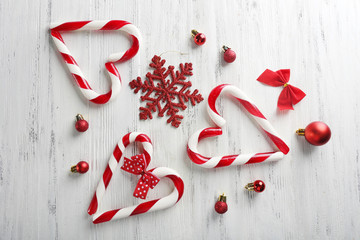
{"x":221,"y":207}
{"x":82,"y":167}
{"x":200,"y":39}
{"x":81,"y":125}
{"x":229,"y":55}
{"x":317,"y":133}
{"x":259,"y":186}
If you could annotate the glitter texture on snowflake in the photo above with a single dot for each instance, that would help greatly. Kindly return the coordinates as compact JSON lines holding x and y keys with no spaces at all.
{"x":166,"y":95}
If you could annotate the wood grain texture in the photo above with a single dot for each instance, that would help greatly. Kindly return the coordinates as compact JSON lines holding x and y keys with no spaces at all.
{"x":314,"y":193}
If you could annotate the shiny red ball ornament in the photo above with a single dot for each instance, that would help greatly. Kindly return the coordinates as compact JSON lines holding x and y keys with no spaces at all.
{"x":257,"y":186}
{"x":316,"y":133}
{"x":229,"y":55}
{"x":81,"y":124}
{"x":221,"y":205}
{"x":199,"y":38}
{"x":81,"y":167}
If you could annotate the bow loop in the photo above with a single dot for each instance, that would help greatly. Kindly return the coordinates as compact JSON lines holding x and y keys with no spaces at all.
{"x":290,"y":95}
{"x":137,"y":165}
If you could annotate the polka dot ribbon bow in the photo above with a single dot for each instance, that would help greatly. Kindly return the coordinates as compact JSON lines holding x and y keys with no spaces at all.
{"x":290,"y":95}
{"x":137,"y":165}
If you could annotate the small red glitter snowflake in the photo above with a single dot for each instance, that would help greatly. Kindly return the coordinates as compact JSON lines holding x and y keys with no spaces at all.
{"x":161,"y":93}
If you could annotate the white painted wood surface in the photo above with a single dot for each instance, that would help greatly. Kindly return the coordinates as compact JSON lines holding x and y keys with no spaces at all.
{"x":314,"y":193}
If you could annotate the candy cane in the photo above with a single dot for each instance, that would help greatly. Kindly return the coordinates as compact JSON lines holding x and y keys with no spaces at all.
{"x":239,"y":159}
{"x":115,"y":160}
{"x":148,"y":206}
{"x":114,"y":25}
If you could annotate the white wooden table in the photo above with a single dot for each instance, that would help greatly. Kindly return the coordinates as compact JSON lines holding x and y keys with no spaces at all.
{"x":314,"y":193}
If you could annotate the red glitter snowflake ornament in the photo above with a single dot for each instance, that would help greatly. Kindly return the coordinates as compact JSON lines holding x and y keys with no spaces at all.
{"x":166,"y":95}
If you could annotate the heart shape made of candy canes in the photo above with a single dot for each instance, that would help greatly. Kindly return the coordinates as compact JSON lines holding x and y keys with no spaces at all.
{"x":108,"y":25}
{"x":148,"y":206}
{"x":239,"y":159}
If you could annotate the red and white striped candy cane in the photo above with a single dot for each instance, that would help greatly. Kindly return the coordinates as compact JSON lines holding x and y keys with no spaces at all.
{"x":115,"y":160}
{"x":113,"y":25}
{"x":147,"y":206}
{"x":239,"y":159}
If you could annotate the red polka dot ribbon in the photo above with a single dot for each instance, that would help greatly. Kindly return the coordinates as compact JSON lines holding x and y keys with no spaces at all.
{"x":137,"y":165}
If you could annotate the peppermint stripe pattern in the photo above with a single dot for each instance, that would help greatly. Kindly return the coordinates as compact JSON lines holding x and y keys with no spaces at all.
{"x":82,"y":83}
{"x":115,"y":160}
{"x":148,"y":206}
{"x":238,"y":159}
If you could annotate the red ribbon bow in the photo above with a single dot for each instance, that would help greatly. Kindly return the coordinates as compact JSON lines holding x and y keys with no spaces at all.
{"x":290,"y":95}
{"x":137,"y":165}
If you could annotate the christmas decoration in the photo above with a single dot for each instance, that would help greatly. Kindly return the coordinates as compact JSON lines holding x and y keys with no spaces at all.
{"x":81,"y":124}
{"x":229,"y":55}
{"x":80,"y":167}
{"x":239,"y":159}
{"x":159,"y":172}
{"x":161,"y":93}
{"x":199,"y":38}
{"x":221,"y":205}
{"x":257,"y":186}
{"x":137,"y":165}
{"x":316,"y":133}
{"x":111,"y":25}
{"x":290,"y":95}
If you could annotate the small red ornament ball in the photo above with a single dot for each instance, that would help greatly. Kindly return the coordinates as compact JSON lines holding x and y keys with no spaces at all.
{"x":229,"y":55}
{"x":81,"y":125}
{"x":259,"y":186}
{"x":221,"y":207}
{"x":317,"y":133}
{"x":82,"y":167}
{"x":200,"y":39}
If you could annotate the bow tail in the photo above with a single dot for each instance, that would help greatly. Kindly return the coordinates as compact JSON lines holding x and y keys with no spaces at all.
{"x":141,"y":189}
{"x":296,"y":93}
{"x":290,"y":96}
